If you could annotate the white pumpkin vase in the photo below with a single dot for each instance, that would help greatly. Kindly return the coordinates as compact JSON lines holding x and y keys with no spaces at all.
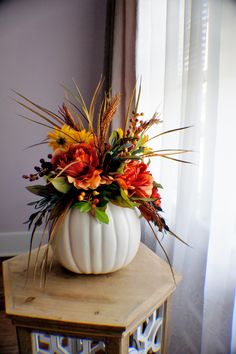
{"x":83,"y":245}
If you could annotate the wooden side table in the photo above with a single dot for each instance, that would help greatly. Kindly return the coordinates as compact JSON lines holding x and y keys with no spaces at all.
{"x":122,"y":312}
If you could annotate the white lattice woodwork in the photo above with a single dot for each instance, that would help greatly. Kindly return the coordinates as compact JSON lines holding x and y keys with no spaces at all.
{"x":146,"y":338}
{"x":47,"y":344}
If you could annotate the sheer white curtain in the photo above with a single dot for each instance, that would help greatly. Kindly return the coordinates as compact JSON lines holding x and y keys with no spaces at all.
{"x":186,"y":55}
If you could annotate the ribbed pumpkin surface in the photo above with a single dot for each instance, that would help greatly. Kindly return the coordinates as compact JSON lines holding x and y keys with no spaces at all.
{"x":83,"y":245}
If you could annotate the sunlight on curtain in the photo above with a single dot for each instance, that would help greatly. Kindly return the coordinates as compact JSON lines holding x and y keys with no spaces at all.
{"x":147,"y":57}
{"x":186,"y":54}
{"x":221,"y":263}
{"x":150,"y":71}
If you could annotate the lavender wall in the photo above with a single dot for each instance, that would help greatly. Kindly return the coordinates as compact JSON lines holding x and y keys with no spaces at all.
{"x":42,"y":43}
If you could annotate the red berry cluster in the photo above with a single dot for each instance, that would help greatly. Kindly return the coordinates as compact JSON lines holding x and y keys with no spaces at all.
{"x":135,"y":125}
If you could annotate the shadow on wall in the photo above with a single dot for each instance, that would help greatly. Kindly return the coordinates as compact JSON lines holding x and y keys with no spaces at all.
{"x":42,"y":43}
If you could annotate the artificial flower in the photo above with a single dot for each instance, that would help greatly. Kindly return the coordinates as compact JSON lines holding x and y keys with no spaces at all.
{"x":64,"y":137}
{"x":157,"y":197}
{"x":136,"y":180}
{"x":80,"y":165}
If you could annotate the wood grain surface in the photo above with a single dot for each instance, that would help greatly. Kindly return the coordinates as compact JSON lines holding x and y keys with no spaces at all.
{"x":113,"y":301}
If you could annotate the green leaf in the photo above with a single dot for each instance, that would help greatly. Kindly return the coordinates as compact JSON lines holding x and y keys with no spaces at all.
{"x":101,"y":216}
{"x":83,"y":207}
{"x":126,"y":145}
{"x":123,"y":203}
{"x":61,"y":184}
{"x":157,"y":185}
{"x":32,"y":203}
{"x":144,"y":199}
{"x":138,"y":151}
{"x":120,"y":170}
{"x":103,"y":203}
{"x":126,"y":199}
{"x":113,"y":138}
{"x":113,"y":188}
{"x":124,"y":195}
{"x":42,"y":191}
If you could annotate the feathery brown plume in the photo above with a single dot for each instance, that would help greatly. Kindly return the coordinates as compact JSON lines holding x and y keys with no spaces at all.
{"x":149,"y":212}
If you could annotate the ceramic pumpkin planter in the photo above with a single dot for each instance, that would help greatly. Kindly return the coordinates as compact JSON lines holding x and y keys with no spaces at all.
{"x":83,"y":245}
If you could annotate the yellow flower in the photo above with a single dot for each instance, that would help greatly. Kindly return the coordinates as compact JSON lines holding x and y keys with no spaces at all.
{"x":58,"y":139}
{"x":120,"y":133}
{"x":81,"y":136}
{"x":66,"y":136}
{"x":144,"y":140}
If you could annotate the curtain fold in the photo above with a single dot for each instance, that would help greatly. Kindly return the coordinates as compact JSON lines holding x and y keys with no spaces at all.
{"x":183,"y":100}
{"x":123,"y":55}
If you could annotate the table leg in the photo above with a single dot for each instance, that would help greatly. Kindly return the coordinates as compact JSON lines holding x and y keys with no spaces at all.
{"x":165,"y":329}
{"x":117,"y":345}
{"x":24,"y":340}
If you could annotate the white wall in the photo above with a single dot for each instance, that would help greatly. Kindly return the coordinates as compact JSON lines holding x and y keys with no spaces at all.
{"x":42,"y":43}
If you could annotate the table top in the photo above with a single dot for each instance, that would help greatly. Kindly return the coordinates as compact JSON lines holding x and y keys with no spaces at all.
{"x":114,"y":300}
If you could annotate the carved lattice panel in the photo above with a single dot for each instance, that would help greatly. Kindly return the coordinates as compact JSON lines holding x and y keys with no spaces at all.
{"x":146,"y":339}
{"x":148,"y":336}
{"x":48,"y":344}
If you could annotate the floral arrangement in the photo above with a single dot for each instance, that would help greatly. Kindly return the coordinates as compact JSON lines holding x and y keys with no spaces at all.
{"x":91,"y":166}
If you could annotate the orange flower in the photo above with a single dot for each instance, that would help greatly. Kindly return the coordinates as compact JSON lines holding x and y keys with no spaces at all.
{"x":79,"y":164}
{"x":136,"y":180}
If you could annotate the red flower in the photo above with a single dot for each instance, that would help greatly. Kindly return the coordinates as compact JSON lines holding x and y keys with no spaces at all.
{"x":79,"y":164}
{"x":156,"y":195}
{"x":136,"y":180}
